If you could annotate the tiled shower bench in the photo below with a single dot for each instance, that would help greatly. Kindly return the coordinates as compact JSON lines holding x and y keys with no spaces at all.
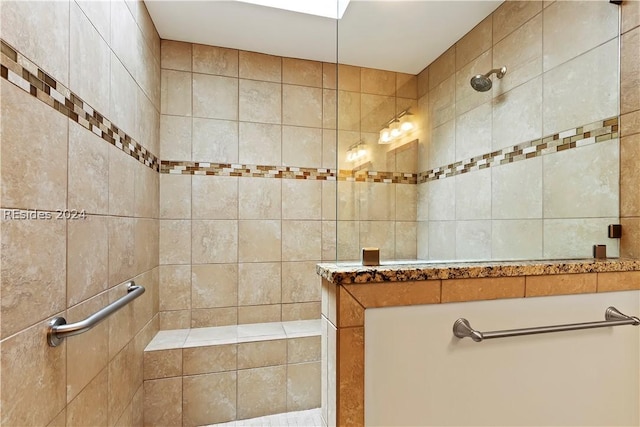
{"x":211,"y":375}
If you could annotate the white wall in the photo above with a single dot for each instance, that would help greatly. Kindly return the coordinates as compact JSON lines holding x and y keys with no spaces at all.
{"x":418,"y":373}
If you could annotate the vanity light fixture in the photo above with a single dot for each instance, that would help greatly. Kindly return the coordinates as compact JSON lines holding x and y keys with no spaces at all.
{"x":401,"y":124}
{"x":357,"y":152}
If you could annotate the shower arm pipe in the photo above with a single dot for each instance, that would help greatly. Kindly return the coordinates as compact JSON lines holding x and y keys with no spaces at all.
{"x":462,"y":328}
{"x":59,"y":329}
{"x":500,"y":72}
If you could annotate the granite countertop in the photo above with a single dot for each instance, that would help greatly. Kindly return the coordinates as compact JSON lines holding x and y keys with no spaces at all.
{"x":405,"y":271}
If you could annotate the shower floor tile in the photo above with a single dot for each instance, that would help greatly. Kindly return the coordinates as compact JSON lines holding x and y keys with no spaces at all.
{"x":309,"y":418}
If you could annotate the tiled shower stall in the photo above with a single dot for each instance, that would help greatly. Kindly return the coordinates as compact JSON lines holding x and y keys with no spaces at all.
{"x":218,"y":179}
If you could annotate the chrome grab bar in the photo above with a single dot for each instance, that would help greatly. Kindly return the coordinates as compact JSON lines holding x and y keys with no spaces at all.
{"x":462,"y":328}
{"x":59,"y":329}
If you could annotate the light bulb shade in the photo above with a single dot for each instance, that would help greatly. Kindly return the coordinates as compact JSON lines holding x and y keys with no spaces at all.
{"x":395,"y":128}
{"x":407,"y":125}
{"x":385,"y":136}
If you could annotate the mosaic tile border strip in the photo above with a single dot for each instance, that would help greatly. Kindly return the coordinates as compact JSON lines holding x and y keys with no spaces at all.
{"x":284,"y":172}
{"x":20,"y":71}
{"x":593,"y":133}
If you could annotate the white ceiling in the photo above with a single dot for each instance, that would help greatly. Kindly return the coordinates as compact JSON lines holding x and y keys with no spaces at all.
{"x":394,"y":35}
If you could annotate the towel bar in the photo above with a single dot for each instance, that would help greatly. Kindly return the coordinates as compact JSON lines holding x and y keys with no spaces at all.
{"x":462,"y":328}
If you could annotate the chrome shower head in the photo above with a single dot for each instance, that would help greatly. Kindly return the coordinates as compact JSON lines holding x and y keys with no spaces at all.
{"x":482,"y":82}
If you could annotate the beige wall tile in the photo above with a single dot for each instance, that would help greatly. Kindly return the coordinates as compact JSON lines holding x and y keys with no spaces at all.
{"x":222,"y":189}
{"x":475,"y":42}
{"x":441,"y":111}
{"x":348,"y":110}
{"x":406,"y":245}
{"x":508,"y":201}
{"x":442,"y":246}
{"x":329,"y":75}
{"x":624,"y":281}
{"x":329,"y":142}
{"x":261,"y":391}
{"x":175,"y":242}
{"x":301,"y":240}
{"x":214,"y":241}
{"x":300,"y":282}
{"x":377,"y":82}
{"x":146,"y":191}
{"x":377,"y":110}
{"x":406,"y":86}
{"x":175,"y":196}
{"x":301,"y":106}
{"x":473,"y":195}
{"x":175,"y":137}
{"x":258,"y":66}
{"x":175,"y":55}
{"x":442,"y":68}
{"x":300,"y":311}
{"x":89,"y":408}
{"x":121,"y":331}
{"x":262,"y":353}
{"x":162,"y":364}
{"x":259,"y":313}
{"x":260,"y":144}
{"x":206,"y":317}
{"x":349,"y":78}
{"x":175,"y":287}
{"x":148,"y":123}
{"x":99,"y":15}
{"x":260,"y":102}
{"x":32,"y":291}
{"x":630,"y":123}
{"x":473,"y":240}
{"x":34,"y":158}
{"x":163,"y":402}
{"x":259,"y":283}
{"x":522,"y":105}
{"x":473,"y":132}
{"x":215,"y":140}
{"x":214,"y":285}
{"x":22,"y":18}
{"x":209,"y":399}
{"x":569,"y":192}
{"x":303,"y":386}
{"x":521,"y":52}
{"x":146,"y":244}
{"x":630,"y":15}
{"x":215,"y":97}
{"x":89,"y":55}
{"x":406,"y":293}
{"x":180,"y":319}
{"x":442,"y":145}
{"x":442,"y":200}
{"x":301,"y":147}
{"x":569,"y":88}
{"x":123,"y":97}
{"x":348,"y":240}
{"x":209,"y":359}
{"x":466,"y":97}
{"x":377,"y":201}
{"x":302,"y":72}
{"x":577,"y":237}
{"x":301,"y":199}
{"x":259,"y":241}
{"x":561,"y":284}
{"x":630,"y":242}
{"x":38,"y":387}
{"x":571,"y":29}
{"x":630,"y":71}
{"x":378,"y":234}
{"x":137,"y":408}
{"x":121,"y":175}
{"x":306,"y":349}
{"x":423,"y":82}
{"x":511,"y":15}
{"x":329,"y":109}
{"x":350,"y":311}
{"x":176,"y":92}
{"x":259,"y":198}
{"x":122,"y":382}
{"x":87,"y":354}
{"x":482,"y":289}
{"x":87,"y":242}
{"x":515,"y":239}
{"x":215,"y":60}
{"x":329,"y":240}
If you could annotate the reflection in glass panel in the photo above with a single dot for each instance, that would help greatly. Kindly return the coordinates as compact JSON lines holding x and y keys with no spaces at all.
{"x":477,"y":130}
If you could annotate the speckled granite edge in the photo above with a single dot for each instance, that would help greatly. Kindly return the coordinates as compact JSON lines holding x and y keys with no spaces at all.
{"x":351,"y":273}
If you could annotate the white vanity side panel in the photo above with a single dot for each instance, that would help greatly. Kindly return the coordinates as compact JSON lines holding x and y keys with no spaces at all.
{"x":417,"y":373}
